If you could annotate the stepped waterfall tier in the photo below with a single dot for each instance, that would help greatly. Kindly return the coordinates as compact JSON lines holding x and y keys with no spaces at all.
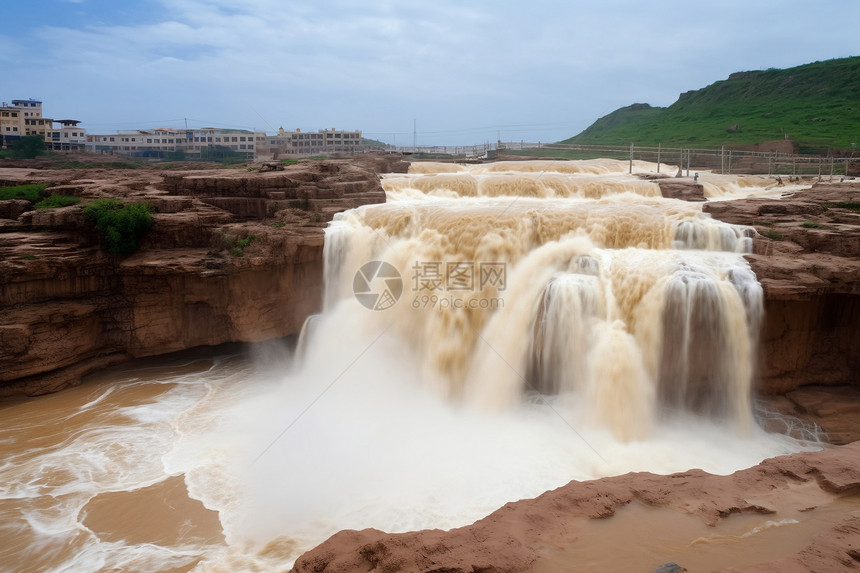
{"x":489,"y":333}
{"x":637,"y":305}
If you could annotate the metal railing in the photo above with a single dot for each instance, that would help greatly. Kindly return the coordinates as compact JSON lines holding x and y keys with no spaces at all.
{"x":721,"y":160}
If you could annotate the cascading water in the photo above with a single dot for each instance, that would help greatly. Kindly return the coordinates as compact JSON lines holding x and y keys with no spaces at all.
{"x":553,"y":321}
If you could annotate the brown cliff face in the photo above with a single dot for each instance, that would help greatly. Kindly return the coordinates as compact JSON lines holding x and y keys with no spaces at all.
{"x":807,"y":257}
{"x":67,"y":308}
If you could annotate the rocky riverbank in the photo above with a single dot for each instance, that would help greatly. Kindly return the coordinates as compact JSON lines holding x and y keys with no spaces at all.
{"x":233,"y":255}
{"x":550,"y":533}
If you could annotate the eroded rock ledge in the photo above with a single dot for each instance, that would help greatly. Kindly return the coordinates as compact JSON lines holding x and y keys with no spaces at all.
{"x":524,"y":536}
{"x":67,"y":308}
{"x":806,"y":254}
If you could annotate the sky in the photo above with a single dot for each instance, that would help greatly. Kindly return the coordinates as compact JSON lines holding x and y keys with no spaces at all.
{"x":440,"y":72}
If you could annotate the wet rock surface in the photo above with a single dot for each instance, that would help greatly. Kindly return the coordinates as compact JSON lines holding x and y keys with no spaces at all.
{"x":233,"y":255}
{"x":806,"y":254}
{"x":513,"y":538}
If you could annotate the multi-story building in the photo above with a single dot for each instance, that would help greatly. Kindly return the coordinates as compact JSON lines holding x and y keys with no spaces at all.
{"x":193,"y":143}
{"x":325,"y":141}
{"x":24,"y":118}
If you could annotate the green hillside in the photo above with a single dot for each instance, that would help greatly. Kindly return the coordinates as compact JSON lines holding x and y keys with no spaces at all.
{"x":816,"y":105}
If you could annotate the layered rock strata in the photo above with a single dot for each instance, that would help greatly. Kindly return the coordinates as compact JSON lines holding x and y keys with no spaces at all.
{"x":233,"y":255}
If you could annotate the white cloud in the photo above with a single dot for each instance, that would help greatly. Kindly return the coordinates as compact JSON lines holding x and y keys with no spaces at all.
{"x":377,"y":65}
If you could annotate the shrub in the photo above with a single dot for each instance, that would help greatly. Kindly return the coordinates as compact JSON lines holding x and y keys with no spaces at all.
{"x":850,"y":205}
{"x":54,"y":201}
{"x":31,"y":193}
{"x":121,"y":225}
{"x":27,"y":147}
{"x":236,"y":245}
{"x":775,"y":235}
{"x":812,"y":225}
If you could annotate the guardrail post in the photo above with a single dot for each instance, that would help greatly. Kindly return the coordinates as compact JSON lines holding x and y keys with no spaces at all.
{"x":631,"y":157}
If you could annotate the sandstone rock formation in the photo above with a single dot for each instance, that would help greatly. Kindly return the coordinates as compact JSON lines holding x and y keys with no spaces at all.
{"x":67,"y":308}
{"x":686,"y":189}
{"x":542,"y":534}
{"x":807,"y":258}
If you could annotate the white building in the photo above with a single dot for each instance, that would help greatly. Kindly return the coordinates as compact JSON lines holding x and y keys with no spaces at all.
{"x":200,"y":143}
{"x":325,"y":141}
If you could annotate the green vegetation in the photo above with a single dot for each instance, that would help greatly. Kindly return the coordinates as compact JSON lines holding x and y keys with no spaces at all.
{"x":850,"y":205}
{"x":775,"y":235}
{"x":27,"y":147}
{"x":121,"y":225}
{"x":54,"y":201}
{"x":372,"y":143}
{"x":236,"y":245}
{"x":813,"y":225}
{"x":289,"y":161}
{"x":814,"y":105}
{"x":31,"y":193}
{"x":278,"y":224}
{"x":35,"y":193}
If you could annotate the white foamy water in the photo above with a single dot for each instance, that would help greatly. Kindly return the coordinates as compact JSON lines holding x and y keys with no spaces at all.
{"x":618,"y":337}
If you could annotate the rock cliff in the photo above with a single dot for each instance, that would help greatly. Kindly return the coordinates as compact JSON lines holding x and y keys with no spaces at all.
{"x":806,"y":254}
{"x":233,"y":255}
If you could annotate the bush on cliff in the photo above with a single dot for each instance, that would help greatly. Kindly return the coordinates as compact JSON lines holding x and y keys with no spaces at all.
{"x":55,"y":201}
{"x":30,"y":193}
{"x":121,"y":225}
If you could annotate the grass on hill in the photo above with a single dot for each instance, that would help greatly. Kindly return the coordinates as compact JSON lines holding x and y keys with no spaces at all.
{"x":815,"y":105}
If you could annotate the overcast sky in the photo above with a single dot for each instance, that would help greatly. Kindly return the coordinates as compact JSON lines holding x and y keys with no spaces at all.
{"x":460,"y":72}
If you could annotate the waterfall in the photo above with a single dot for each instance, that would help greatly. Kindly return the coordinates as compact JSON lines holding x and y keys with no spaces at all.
{"x":641,"y":308}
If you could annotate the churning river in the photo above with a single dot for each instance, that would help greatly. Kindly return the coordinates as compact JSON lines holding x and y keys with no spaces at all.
{"x":491,"y":332}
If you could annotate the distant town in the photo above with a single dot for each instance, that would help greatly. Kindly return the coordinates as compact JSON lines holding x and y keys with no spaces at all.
{"x":24,"y":118}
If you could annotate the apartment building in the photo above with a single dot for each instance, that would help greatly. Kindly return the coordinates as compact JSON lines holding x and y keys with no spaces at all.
{"x":193,"y":143}
{"x":312,"y":143}
{"x":24,"y":118}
